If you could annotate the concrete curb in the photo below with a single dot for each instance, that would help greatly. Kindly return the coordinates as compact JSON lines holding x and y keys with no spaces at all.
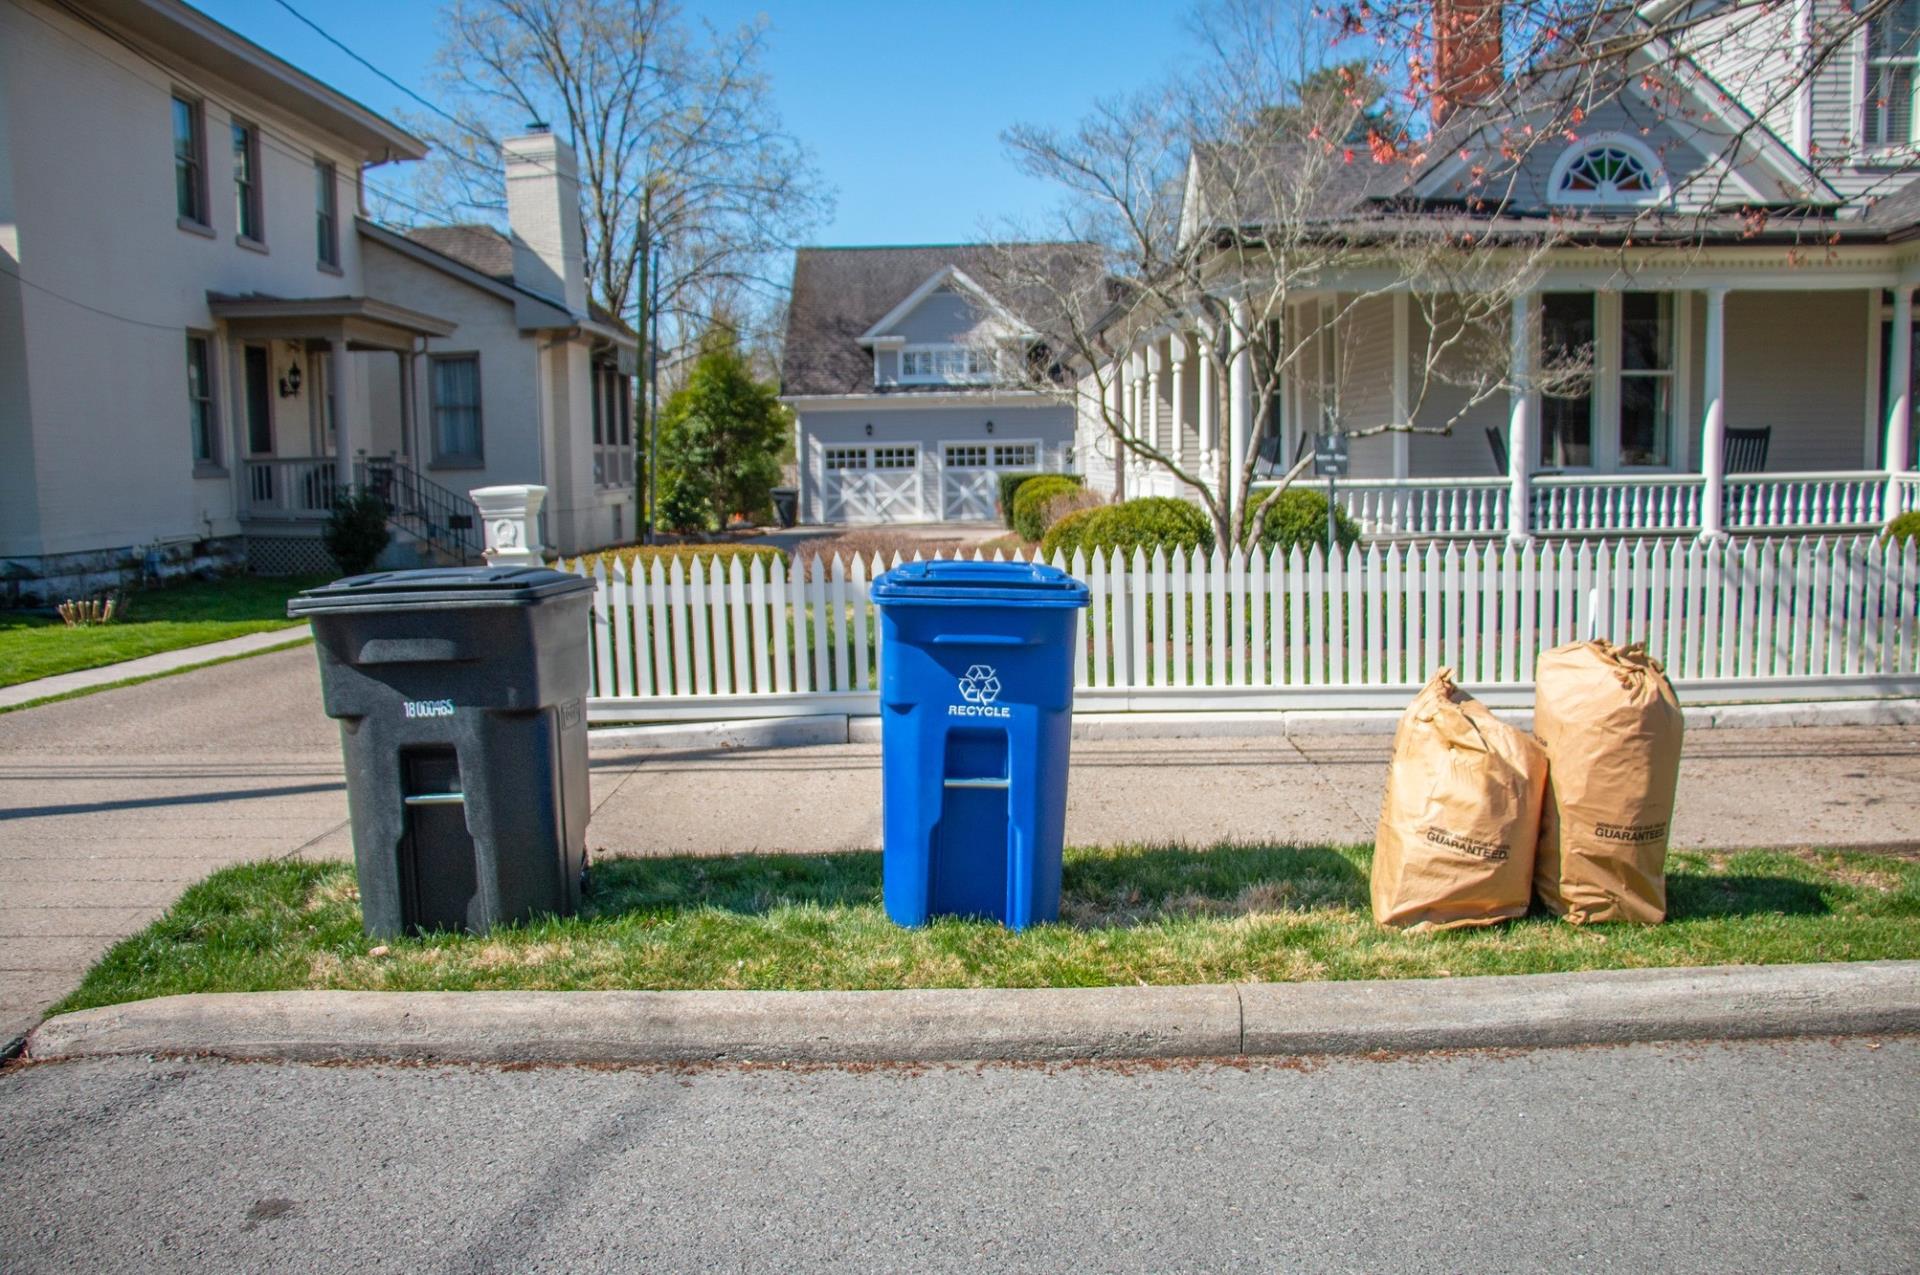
{"x":1047,"y":1024}
{"x":840,"y":728}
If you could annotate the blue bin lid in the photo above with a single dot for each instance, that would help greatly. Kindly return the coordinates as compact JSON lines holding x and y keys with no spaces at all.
{"x":1017,"y":584}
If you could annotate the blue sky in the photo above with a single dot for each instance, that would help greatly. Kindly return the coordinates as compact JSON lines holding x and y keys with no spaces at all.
{"x":902,"y":104}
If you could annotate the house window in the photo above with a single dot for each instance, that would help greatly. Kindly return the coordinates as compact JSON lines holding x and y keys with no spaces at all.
{"x":326,"y":219}
{"x":1893,"y":52}
{"x":945,"y":365}
{"x":246,"y":181}
{"x":1606,"y":398}
{"x":456,"y":410}
{"x":896,"y":457}
{"x":842,"y":458}
{"x":612,"y":427}
{"x":189,"y":162}
{"x":1609,"y":169}
{"x":1015,"y":455}
{"x":200,"y":400}
{"x":1566,"y":366}
{"x":1646,"y":379}
{"x":966,"y":455}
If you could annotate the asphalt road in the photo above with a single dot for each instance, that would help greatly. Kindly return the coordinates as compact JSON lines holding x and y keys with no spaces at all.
{"x":1760,"y":1156}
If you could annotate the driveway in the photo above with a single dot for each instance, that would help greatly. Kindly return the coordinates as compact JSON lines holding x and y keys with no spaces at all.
{"x":112,"y":804}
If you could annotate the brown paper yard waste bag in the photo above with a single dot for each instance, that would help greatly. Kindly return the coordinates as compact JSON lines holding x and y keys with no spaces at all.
{"x":1461,"y":815}
{"x":1611,"y":726}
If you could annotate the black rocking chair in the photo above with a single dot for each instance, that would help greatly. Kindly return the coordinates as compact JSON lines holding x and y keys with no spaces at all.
{"x":1745,"y":450}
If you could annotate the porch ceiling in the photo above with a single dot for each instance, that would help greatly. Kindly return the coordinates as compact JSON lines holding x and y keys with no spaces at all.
{"x":361,"y":322}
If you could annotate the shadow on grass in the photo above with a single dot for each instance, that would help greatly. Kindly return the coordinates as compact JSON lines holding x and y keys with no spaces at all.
{"x":1705,"y":898}
{"x":1128,"y":887}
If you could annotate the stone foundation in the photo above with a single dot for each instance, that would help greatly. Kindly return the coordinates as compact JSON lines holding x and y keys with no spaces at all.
{"x":45,"y":579}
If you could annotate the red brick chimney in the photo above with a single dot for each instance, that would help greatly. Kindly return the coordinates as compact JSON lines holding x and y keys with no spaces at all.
{"x":1467,"y":66}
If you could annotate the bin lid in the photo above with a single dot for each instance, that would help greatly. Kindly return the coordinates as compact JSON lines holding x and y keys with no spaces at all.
{"x":944,"y":583}
{"x":438,"y":587}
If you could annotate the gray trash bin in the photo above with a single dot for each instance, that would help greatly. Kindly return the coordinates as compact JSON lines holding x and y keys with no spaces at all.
{"x":461,"y":700}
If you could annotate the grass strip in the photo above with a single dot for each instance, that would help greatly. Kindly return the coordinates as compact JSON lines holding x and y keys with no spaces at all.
{"x":1130,"y":914}
{"x":36,"y":644}
{"x":83,"y":691}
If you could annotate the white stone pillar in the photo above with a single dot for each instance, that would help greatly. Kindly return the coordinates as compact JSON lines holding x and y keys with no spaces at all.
{"x":1520,"y":440}
{"x":1239,"y":398}
{"x":511,"y":516}
{"x":1899,"y":395}
{"x":1713,"y":431}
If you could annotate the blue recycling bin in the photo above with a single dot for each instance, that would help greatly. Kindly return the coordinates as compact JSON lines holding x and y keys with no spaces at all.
{"x":976,"y":702}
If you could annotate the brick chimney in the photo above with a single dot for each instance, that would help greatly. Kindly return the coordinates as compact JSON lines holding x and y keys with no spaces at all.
{"x":543,"y":217}
{"x":1467,"y":67}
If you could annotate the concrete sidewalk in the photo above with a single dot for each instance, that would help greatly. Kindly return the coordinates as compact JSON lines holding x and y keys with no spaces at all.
{"x":148,"y":666}
{"x":110,"y":805}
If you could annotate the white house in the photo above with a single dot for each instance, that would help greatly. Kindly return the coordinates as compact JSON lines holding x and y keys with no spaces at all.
{"x":1753,"y":372}
{"x":201,"y":342}
{"x":889,"y":365}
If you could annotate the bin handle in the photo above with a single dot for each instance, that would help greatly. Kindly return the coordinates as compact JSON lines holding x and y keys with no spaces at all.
{"x":978,"y":639}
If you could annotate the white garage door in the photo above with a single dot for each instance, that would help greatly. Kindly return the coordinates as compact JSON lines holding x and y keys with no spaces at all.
{"x":873,"y":484}
{"x":970,"y":482}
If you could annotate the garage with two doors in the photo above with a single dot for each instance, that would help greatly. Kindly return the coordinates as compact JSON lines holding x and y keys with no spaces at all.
{"x":941,"y":481}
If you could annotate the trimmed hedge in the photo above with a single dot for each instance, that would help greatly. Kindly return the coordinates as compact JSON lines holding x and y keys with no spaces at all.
{"x":1903,"y":529}
{"x":1010,"y":488}
{"x":1066,"y":536}
{"x":631,"y":556}
{"x":1299,"y":518}
{"x":1151,"y":522}
{"x":1030,"y":502}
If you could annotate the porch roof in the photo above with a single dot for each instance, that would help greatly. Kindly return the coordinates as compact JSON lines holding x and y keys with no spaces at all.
{"x":365,"y":322}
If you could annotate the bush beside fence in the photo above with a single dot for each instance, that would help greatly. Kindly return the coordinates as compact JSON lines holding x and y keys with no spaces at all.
{"x":1773,"y":619}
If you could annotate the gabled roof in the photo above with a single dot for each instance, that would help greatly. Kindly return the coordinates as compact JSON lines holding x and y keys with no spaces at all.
{"x":945,"y":276}
{"x":840,"y":296}
{"x":481,"y":256}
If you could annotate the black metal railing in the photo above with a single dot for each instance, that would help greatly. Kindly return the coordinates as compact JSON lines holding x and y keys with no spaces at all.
{"x":437,"y":516}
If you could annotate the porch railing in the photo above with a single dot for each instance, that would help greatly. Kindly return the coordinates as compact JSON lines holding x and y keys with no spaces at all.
{"x":301,"y":489}
{"x":1612,"y":505}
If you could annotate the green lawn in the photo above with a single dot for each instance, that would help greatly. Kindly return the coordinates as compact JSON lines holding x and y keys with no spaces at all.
{"x":1158,"y":915}
{"x":36,"y":644}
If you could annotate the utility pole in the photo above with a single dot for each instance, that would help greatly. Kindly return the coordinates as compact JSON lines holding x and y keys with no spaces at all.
{"x":653,"y":391}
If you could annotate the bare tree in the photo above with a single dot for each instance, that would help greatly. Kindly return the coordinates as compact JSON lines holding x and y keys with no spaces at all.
{"x":1222,"y":211}
{"x":682,"y":156}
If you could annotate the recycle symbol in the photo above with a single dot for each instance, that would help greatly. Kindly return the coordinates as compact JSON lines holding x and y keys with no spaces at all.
{"x":981,"y":685}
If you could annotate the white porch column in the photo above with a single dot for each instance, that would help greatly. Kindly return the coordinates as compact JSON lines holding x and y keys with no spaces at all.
{"x":1209,"y":410}
{"x":1713,"y":430}
{"x":1899,"y":395}
{"x":1520,"y":441}
{"x":1116,"y":404}
{"x":1150,"y":421}
{"x":347,"y":440}
{"x":1177,"y":354}
{"x":1239,"y":397}
{"x":511,"y":517}
{"x":1402,"y":405}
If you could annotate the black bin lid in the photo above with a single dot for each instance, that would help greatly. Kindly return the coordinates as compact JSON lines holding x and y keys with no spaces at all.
{"x":432,"y":587}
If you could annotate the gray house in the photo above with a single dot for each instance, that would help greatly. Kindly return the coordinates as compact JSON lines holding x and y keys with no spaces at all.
{"x":892,"y":368}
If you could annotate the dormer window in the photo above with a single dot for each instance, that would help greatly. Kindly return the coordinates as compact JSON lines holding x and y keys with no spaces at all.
{"x":944,"y":365}
{"x":1893,"y":53}
{"x":1611,"y":169}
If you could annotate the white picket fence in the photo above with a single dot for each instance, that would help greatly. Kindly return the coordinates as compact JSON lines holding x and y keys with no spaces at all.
{"x":1740,"y":620}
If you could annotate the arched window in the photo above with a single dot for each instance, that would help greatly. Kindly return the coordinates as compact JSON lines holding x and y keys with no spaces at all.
{"x":1609,"y":169}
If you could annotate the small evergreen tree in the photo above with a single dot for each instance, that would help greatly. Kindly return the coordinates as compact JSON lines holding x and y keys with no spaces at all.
{"x":721,"y":435}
